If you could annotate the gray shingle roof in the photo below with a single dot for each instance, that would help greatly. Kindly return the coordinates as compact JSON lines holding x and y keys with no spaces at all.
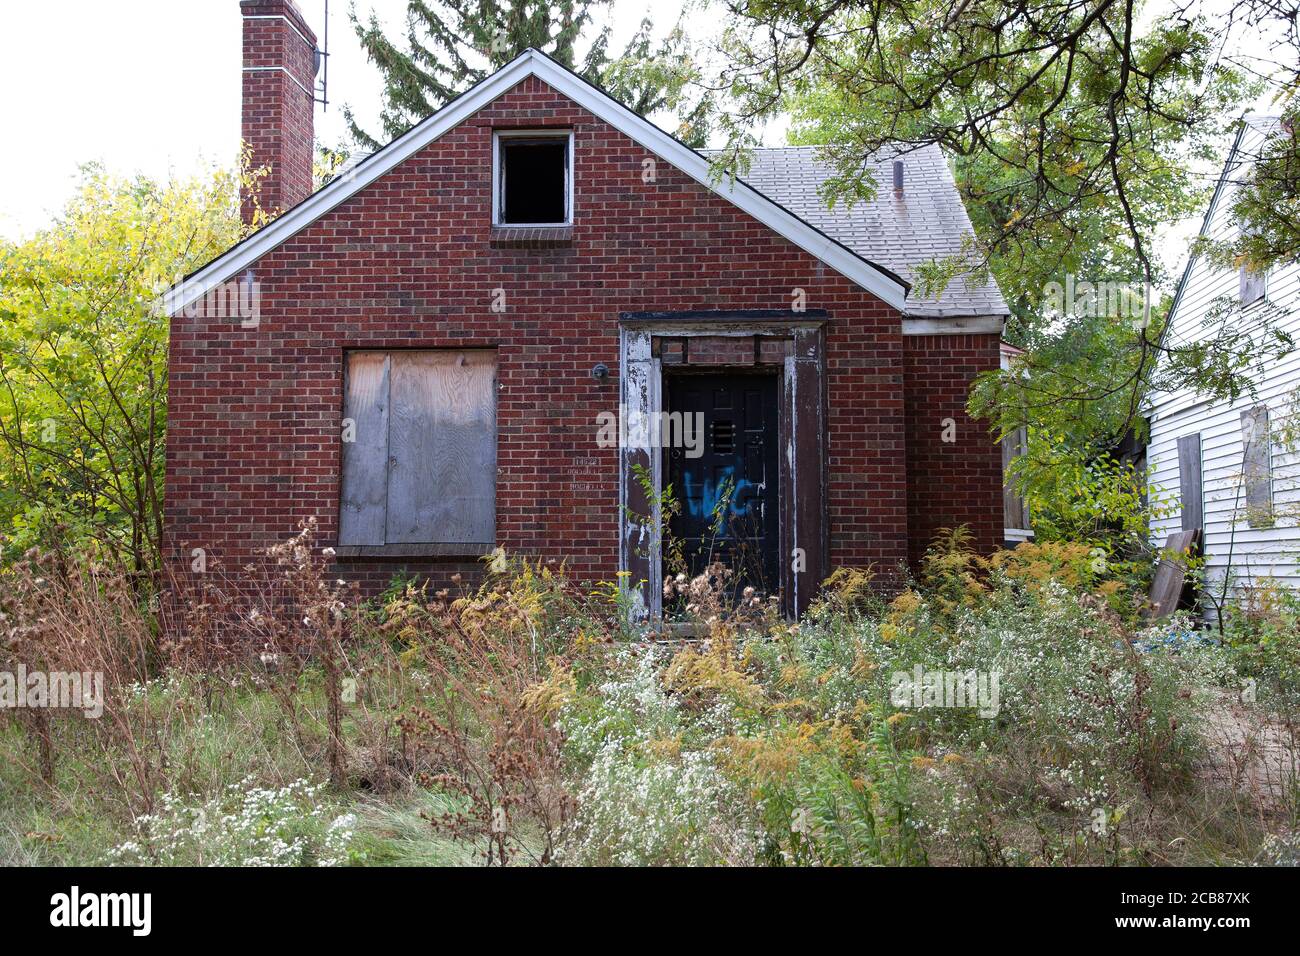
{"x":900,"y":233}
{"x":927,"y":222}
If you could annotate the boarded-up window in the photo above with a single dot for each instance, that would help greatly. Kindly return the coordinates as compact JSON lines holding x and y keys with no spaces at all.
{"x":1015,"y":510}
{"x":1251,"y":285}
{"x":1257,"y":466}
{"x":1189,"y":482}
{"x":420,"y":465}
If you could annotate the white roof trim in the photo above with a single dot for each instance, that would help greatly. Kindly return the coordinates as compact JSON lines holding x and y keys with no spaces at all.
{"x":957,"y":324}
{"x":889,"y":289}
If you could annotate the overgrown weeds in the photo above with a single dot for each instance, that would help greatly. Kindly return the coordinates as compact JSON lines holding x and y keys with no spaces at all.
{"x":524,"y":720}
{"x":484,"y":729}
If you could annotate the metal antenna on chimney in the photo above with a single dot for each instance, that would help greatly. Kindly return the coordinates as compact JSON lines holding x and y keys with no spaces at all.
{"x":322,"y":58}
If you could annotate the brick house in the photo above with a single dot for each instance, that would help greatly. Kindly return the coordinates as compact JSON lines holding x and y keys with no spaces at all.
{"x":520,"y":322}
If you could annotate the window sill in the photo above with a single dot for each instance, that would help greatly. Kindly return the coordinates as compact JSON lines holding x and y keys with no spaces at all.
{"x":531,"y":237}
{"x":442,"y":550}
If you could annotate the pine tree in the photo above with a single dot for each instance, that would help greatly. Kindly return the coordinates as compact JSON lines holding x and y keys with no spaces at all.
{"x":449,"y":47}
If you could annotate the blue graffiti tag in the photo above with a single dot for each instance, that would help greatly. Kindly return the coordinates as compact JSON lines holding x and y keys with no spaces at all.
{"x":713,"y":495}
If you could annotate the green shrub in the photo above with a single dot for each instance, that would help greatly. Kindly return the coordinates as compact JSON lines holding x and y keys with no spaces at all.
{"x":1263,"y":635}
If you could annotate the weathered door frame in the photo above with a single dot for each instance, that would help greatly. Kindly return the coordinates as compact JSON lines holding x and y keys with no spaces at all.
{"x":794,"y":343}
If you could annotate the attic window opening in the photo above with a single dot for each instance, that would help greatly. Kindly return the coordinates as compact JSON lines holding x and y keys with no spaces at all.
{"x":534,"y":179}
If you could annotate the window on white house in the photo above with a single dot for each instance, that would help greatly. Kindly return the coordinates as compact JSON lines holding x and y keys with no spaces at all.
{"x":534,"y":179}
{"x":419,"y":450}
{"x":1257,"y":466}
{"x":1251,"y":285}
{"x":1190,"y":495}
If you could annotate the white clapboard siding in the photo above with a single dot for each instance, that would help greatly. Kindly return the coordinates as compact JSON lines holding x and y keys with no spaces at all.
{"x":1232,"y":548}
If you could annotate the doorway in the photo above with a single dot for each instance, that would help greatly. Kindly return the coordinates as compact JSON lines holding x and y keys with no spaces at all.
{"x":725,"y":478}
{"x":659,"y":355}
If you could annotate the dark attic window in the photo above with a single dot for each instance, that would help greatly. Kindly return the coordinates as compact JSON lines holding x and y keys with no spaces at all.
{"x":534,"y":179}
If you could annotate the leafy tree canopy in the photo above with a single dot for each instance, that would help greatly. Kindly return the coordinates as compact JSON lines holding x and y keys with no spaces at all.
{"x":83,"y":358}
{"x":1077,"y":130}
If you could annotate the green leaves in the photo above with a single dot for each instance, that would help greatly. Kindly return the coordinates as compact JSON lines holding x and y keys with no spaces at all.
{"x":1267,"y":207}
{"x":1074,"y":128}
{"x":83,"y":357}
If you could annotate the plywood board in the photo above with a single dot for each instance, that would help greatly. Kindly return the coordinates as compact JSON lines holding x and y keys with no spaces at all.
{"x":442,"y":447}
{"x":1189,"y":482}
{"x":1171,"y":572}
{"x":364,"y":493}
{"x":1257,"y":467}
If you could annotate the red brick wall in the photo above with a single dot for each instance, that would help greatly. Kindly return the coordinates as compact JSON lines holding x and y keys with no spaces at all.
{"x":407,"y":262}
{"x":277,"y":111}
{"x":957,"y":482}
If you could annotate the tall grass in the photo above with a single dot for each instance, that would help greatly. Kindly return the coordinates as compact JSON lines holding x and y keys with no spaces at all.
{"x":523,"y":720}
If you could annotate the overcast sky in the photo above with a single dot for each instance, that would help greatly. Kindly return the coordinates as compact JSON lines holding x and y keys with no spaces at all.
{"x":152,"y":86}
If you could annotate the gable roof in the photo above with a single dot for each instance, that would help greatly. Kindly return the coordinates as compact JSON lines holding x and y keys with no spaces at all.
{"x":1265,"y":126}
{"x":927,"y":221}
{"x":877,"y":280}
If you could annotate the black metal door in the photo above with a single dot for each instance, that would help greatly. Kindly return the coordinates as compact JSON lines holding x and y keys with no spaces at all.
{"x":727,"y":485}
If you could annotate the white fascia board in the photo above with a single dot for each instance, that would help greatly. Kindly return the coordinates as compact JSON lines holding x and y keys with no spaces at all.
{"x":954,"y":325}
{"x":890,"y":290}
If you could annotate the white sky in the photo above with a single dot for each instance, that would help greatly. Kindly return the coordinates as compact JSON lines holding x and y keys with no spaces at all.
{"x":153,"y":86}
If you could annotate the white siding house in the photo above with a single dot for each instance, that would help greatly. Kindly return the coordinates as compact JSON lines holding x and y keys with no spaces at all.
{"x":1222,"y":465}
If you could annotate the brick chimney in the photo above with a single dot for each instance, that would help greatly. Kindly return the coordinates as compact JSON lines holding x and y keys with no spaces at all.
{"x":278,"y":82}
